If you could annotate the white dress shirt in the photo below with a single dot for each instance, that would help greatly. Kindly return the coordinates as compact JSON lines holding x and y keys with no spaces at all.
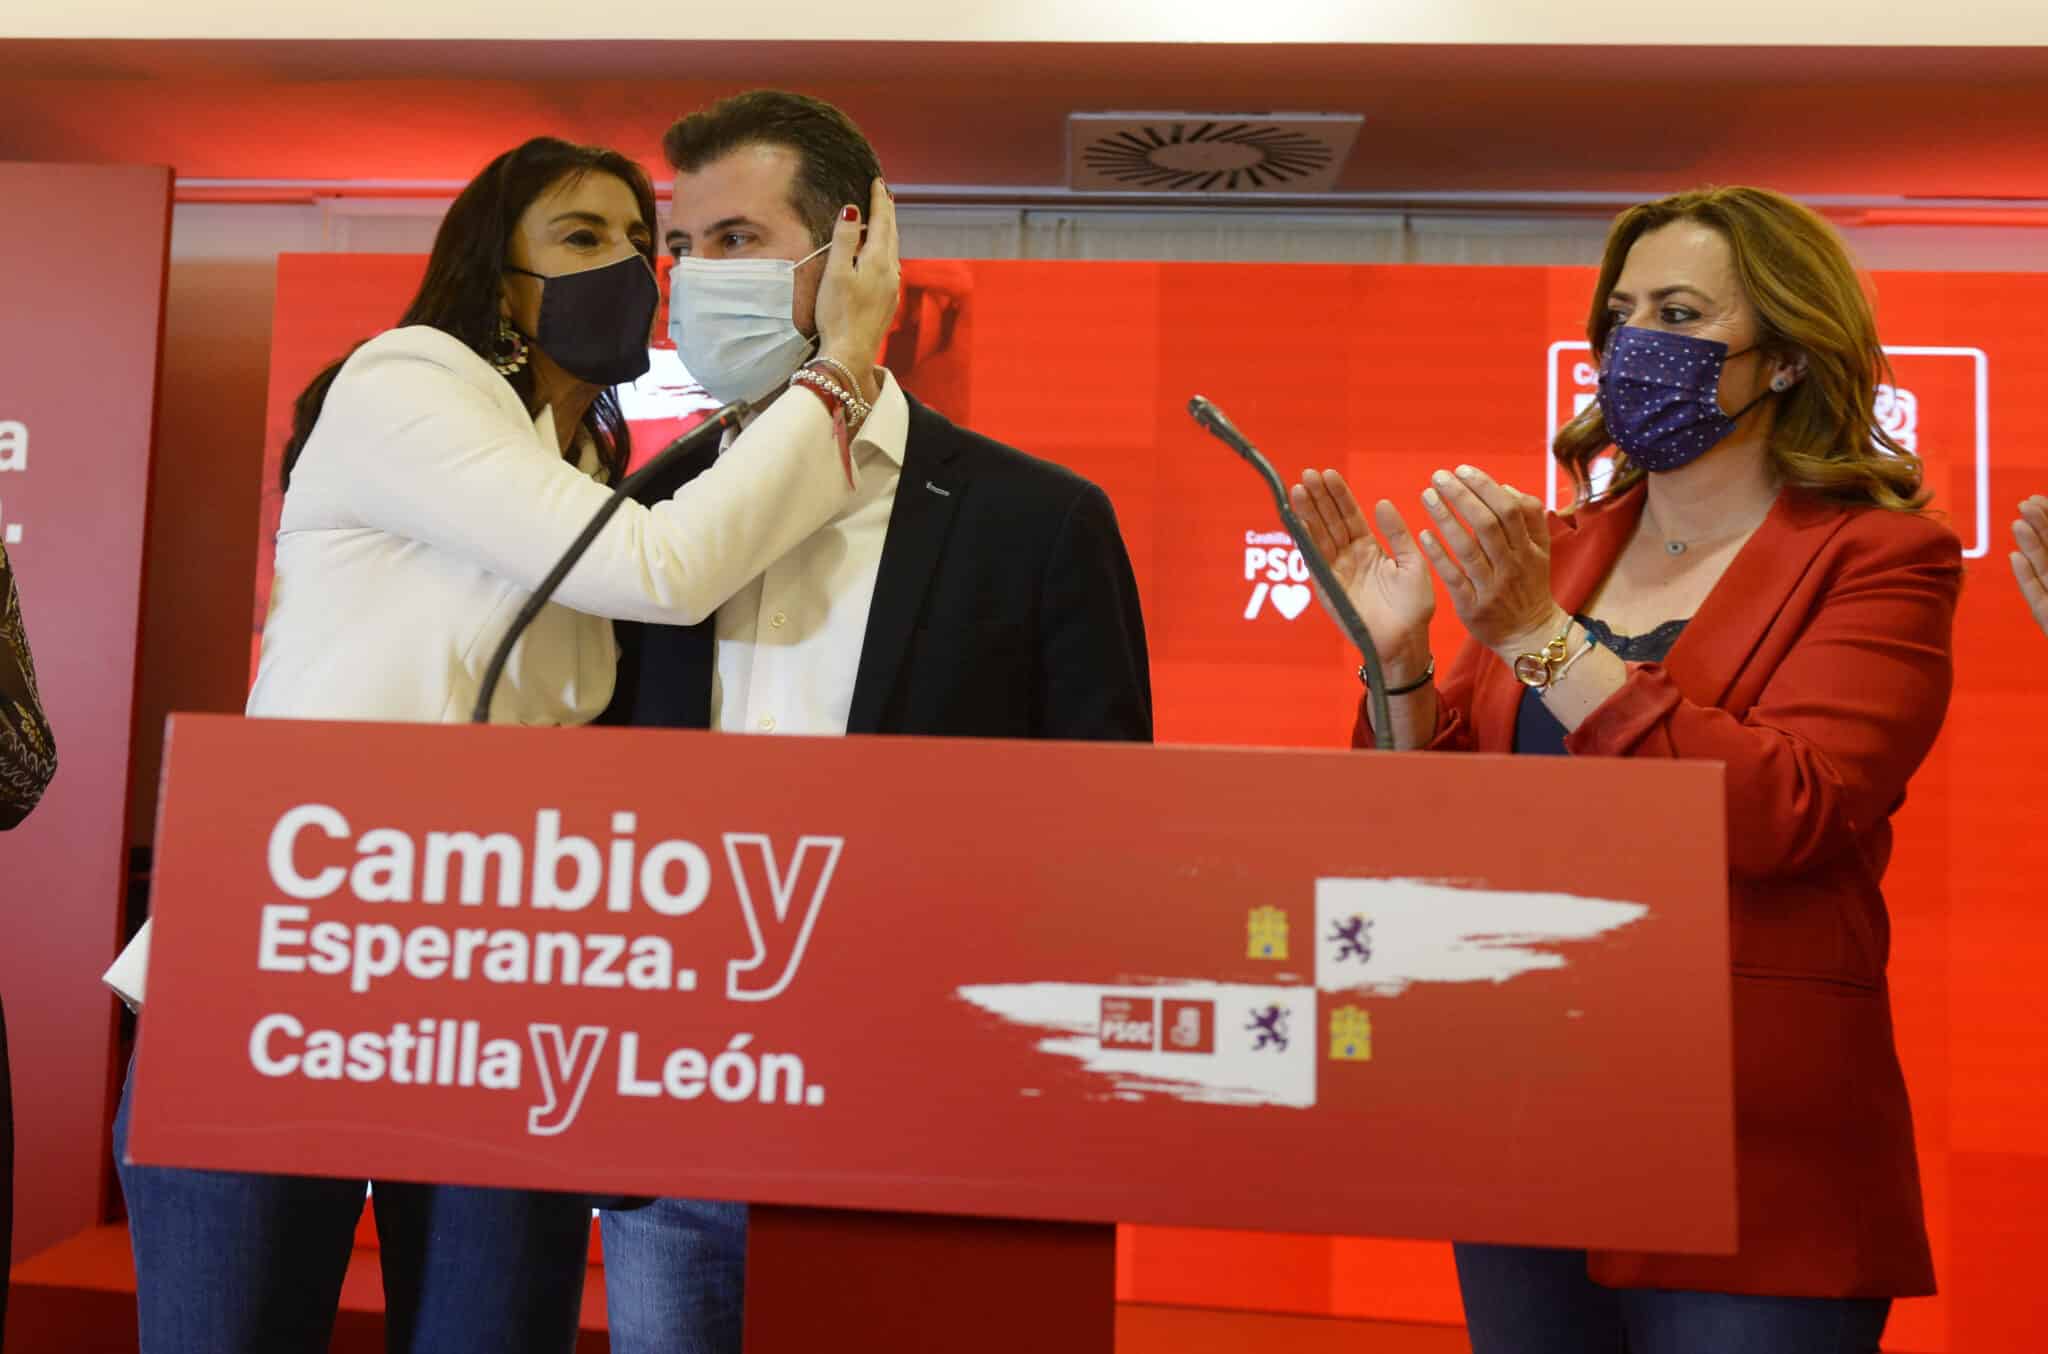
{"x":789,"y":643}
{"x":428,"y":504}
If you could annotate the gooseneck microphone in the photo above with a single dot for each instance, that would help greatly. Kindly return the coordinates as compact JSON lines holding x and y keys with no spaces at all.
{"x":1219,"y":424}
{"x":715,"y":426}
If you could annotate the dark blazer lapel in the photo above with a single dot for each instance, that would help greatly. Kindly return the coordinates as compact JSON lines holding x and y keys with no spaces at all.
{"x":1583,"y":548}
{"x":927,"y":493}
{"x":1741,"y":609}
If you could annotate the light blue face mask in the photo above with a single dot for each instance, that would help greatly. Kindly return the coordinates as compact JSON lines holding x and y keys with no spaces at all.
{"x":732,"y":321}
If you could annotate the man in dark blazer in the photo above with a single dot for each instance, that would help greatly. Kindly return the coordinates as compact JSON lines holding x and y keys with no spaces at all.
{"x":1004,"y":607}
{"x":968,"y":590}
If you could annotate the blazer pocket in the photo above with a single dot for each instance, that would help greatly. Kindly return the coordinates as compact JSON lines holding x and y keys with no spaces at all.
{"x":1847,"y":983}
{"x":1818,"y":929}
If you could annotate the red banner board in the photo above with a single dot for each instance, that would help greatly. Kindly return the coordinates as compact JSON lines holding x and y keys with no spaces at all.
{"x":83,"y":255}
{"x":1045,"y":980}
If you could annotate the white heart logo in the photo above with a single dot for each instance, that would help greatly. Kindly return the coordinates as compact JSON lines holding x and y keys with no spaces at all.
{"x":1290,"y":599}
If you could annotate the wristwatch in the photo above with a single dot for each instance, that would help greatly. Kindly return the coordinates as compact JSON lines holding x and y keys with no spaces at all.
{"x":1539,"y":669}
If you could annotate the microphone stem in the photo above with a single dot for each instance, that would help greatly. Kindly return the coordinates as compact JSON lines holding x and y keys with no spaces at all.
{"x":724,"y":418}
{"x":1348,"y":619}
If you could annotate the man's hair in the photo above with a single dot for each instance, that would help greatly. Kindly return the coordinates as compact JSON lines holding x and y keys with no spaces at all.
{"x":836,"y":165}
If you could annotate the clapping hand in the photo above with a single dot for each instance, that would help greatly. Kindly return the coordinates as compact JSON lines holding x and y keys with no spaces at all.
{"x":1388,"y":585}
{"x":2030,"y":560}
{"x":1491,"y":548}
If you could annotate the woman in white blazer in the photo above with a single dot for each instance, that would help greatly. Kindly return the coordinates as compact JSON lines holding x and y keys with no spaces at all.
{"x":432,"y":478}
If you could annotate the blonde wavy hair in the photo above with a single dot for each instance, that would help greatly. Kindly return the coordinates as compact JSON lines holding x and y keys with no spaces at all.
{"x":1809,"y":302}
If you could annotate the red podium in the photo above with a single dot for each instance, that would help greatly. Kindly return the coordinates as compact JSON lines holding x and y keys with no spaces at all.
{"x":946,"y":1011}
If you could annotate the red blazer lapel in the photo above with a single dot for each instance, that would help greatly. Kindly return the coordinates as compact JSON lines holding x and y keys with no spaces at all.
{"x":1744,"y":605}
{"x":1583,"y":548}
{"x":1737,"y":614}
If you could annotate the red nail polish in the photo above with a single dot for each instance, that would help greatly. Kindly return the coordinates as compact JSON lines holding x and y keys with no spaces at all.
{"x":849,"y":213}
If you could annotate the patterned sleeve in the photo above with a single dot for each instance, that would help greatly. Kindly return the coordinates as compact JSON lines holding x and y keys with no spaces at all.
{"x":28,"y":755}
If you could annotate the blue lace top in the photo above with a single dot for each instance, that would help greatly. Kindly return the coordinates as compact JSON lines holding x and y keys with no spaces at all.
{"x":1537,"y":732}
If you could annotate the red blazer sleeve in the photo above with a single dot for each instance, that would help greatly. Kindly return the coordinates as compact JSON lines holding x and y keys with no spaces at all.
{"x":1838,"y":727}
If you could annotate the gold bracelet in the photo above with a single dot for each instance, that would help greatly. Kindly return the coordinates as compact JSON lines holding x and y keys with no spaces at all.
{"x":1539,"y":669}
{"x":1591,"y":644}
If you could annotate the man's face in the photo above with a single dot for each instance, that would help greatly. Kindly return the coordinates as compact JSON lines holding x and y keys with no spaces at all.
{"x":740,"y":207}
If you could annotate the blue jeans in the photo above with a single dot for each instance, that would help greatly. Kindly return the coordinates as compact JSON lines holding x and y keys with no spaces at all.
{"x":1522,"y":1300}
{"x":675,"y":1276}
{"x":233,"y":1263}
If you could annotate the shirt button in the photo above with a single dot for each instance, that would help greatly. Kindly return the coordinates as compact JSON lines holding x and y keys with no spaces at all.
{"x":767,"y":723}
{"x":779,"y":620}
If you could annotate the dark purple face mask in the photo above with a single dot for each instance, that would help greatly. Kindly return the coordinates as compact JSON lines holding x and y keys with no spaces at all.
{"x":1660,"y":395}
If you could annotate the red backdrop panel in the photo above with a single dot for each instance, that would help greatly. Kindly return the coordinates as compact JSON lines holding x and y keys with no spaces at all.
{"x":1388,"y":373}
{"x":83,"y":254}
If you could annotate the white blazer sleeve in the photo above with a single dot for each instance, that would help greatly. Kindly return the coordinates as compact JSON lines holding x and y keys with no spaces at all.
{"x":415,"y":448}
{"x":130,"y":972}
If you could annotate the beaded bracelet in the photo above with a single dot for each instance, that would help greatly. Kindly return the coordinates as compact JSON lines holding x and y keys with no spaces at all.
{"x":857,"y":409}
{"x":838,"y":369}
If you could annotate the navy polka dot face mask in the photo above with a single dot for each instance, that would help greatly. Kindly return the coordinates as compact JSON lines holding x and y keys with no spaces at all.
{"x":1660,"y":396}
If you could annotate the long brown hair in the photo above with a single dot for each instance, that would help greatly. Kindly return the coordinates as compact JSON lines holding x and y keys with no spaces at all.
{"x":1810,"y":303}
{"x":466,"y":272}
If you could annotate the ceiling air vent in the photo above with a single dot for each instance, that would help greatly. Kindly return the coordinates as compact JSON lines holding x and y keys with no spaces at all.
{"x":1204,"y":153}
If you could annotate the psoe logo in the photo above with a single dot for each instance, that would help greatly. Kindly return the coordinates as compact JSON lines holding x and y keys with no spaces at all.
{"x":1278,"y":575}
{"x":1129,"y":1022}
{"x":1897,"y":411}
{"x":1188,"y":1026}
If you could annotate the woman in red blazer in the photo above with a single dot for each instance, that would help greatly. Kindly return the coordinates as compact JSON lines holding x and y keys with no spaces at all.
{"x":1748,"y":579}
{"x":2030,"y":557}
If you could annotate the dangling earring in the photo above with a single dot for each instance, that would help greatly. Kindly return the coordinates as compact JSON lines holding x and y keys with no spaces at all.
{"x":508,"y":349}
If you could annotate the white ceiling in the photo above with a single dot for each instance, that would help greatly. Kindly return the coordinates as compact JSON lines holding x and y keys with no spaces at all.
{"x":1598,"y":22}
